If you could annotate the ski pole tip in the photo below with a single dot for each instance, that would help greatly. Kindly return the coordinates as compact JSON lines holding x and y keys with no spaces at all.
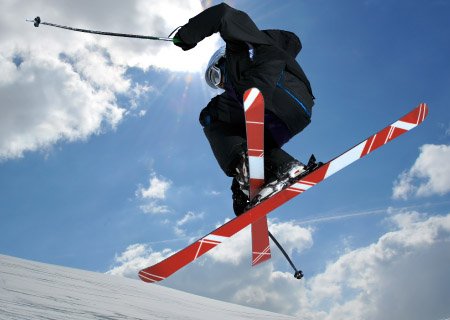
{"x":298,"y":274}
{"x":36,"y":21}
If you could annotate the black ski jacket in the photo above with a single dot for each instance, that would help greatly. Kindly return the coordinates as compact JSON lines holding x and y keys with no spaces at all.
{"x":263,"y":59}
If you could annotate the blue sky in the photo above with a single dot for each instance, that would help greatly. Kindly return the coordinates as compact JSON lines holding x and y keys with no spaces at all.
{"x":131,"y":169}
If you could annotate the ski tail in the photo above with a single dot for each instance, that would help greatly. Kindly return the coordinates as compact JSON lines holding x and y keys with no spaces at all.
{"x":260,"y":241}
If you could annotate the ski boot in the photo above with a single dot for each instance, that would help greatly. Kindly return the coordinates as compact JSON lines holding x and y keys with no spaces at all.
{"x":284,"y":176}
{"x":242,"y":173}
{"x":240,"y":185}
{"x":240,"y":198}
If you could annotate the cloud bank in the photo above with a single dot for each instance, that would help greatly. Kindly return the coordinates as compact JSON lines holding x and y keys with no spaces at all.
{"x":430,"y":174}
{"x":62,"y":86}
{"x":403,"y":275}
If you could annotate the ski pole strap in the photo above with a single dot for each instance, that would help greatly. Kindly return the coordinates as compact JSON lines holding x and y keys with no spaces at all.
{"x":37,"y":21}
{"x":298,"y":273}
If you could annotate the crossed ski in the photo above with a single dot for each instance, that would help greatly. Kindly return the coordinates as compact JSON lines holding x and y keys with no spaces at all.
{"x":254,"y":123}
{"x":178,"y":260}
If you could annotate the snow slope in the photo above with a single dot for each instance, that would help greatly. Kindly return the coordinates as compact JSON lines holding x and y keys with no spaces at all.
{"x":31,"y":290}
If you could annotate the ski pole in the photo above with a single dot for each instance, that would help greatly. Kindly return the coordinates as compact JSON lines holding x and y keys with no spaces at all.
{"x":298,"y":273}
{"x":37,"y":21}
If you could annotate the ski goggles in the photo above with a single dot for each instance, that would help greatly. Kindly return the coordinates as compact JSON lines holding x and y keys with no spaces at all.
{"x":215,"y":76}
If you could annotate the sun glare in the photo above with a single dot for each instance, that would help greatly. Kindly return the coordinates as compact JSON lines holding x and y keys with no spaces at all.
{"x":194,"y":60}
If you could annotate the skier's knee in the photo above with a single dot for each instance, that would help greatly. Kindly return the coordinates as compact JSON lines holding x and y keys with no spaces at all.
{"x":206,"y":117}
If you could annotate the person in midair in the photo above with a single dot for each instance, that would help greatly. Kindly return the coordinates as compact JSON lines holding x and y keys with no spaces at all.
{"x":264,"y":59}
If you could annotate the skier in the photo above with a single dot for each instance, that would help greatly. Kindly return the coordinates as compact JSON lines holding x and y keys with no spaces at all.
{"x":264,"y":59}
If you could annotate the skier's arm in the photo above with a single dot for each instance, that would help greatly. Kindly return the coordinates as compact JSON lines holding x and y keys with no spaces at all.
{"x":233,"y":25}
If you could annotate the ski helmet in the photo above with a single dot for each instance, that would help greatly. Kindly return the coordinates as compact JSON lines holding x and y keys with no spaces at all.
{"x":213,"y":74}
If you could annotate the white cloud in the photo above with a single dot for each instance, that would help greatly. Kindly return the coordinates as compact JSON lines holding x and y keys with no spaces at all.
{"x":232,"y":250}
{"x":156,"y":18}
{"x":403,"y":275}
{"x":45,"y":101}
{"x":135,"y":258}
{"x":154,"y":207}
{"x":187,"y":218}
{"x":138,"y":92}
{"x":395,"y":277}
{"x":142,"y":113}
{"x":157,"y":189}
{"x":212,"y":193}
{"x":153,"y":194}
{"x":61,"y":86}
{"x":429,"y":175}
{"x":293,"y":237}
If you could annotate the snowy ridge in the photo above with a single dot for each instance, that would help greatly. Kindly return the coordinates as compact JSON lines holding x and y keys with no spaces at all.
{"x":32,"y":290}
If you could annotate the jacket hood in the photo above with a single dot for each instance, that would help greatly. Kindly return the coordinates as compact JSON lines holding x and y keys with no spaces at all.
{"x":286,"y":40}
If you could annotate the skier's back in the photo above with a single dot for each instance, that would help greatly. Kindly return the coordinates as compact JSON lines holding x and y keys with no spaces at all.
{"x":252,"y":58}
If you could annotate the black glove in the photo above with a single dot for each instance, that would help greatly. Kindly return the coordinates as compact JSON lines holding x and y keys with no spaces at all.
{"x":178,"y":42}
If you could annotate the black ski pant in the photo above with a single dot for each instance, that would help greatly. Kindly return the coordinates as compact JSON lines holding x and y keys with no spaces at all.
{"x":223,"y":122}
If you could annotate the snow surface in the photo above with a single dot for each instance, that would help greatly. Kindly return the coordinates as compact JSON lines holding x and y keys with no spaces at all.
{"x":32,"y":290}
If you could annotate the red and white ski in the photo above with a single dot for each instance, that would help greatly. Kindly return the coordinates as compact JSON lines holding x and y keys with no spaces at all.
{"x":166,"y":267}
{"x":254,"y":123}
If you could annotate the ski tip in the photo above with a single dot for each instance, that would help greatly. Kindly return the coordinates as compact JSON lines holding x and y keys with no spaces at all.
{"x":250,"y":90}
{"x":251,"y":96}
{"x":414,"y":117}
{"x":423,"y":112}
{"x":426,"y":108}
{"x":298,"y":274}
